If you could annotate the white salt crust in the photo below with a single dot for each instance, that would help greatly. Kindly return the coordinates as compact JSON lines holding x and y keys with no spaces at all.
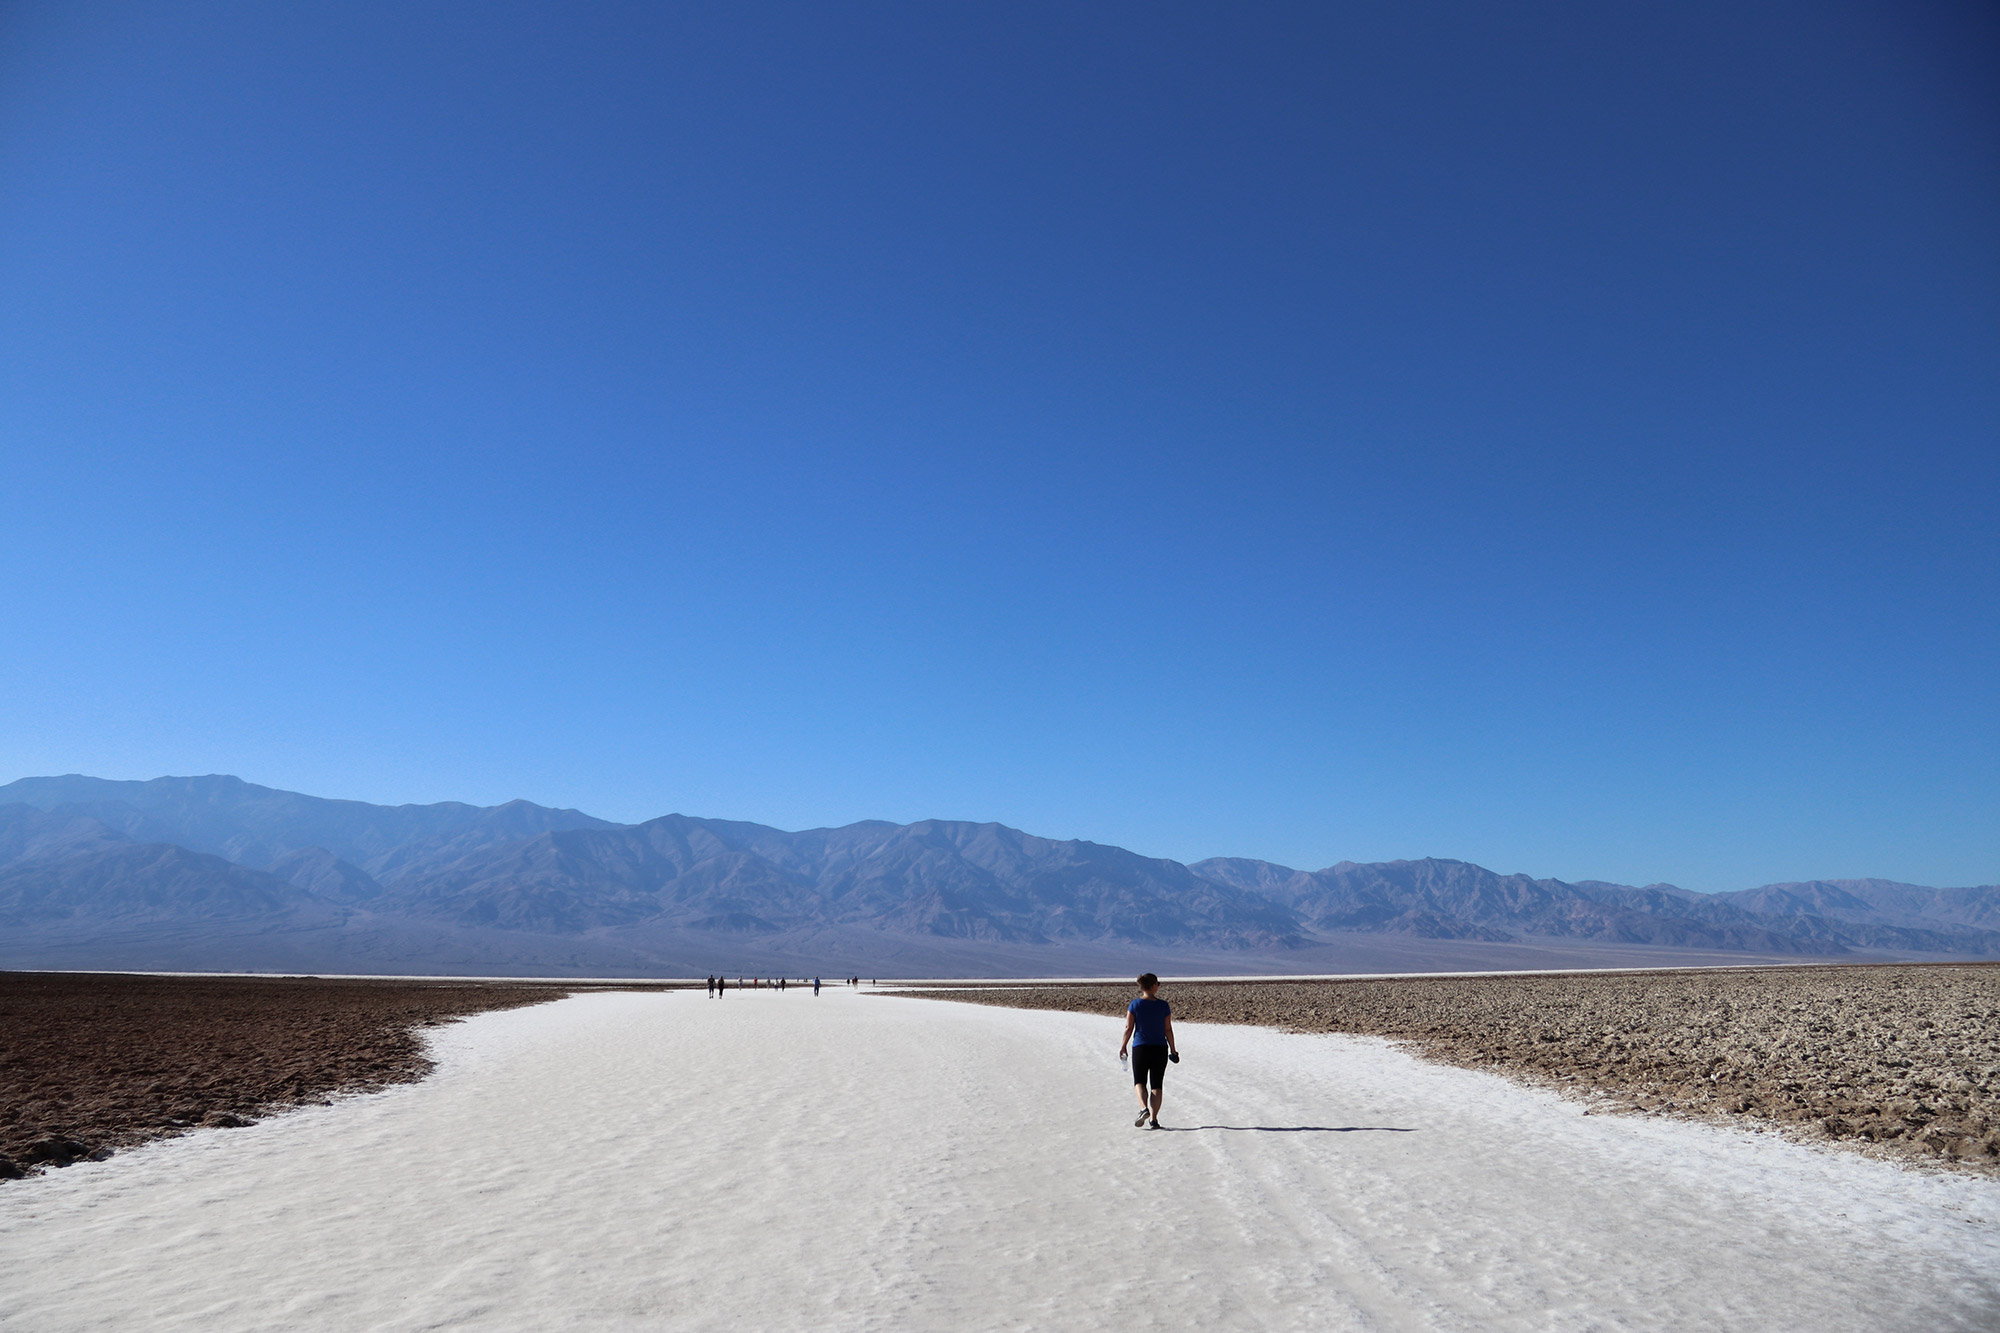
{"x":651,"y":1161}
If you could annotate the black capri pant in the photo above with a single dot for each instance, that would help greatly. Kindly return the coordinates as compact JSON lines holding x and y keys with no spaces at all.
{"x":1149,"y":1065}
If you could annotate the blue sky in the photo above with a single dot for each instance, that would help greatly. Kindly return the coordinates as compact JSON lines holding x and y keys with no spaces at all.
{"x":1563,"y":437}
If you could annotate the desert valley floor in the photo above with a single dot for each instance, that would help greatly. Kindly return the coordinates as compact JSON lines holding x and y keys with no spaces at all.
{"x":635,"y":1160}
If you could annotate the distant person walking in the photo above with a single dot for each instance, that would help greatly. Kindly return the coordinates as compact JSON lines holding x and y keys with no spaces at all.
{"x":815,"y":985}
{"x":1149,"y":1031}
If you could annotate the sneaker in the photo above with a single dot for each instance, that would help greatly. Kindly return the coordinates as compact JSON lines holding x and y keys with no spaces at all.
{"x":1144,"y":1116}
{"x":1153,"y":1124}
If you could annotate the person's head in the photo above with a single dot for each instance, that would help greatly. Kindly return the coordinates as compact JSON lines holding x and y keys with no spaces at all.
{"x":1148,"y":983}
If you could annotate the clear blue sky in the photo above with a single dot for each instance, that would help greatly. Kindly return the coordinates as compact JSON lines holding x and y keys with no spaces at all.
{"x":1564,"y":437}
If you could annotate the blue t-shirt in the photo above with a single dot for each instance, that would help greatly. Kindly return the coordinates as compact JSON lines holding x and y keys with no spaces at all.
{"x":1149,"y":1025}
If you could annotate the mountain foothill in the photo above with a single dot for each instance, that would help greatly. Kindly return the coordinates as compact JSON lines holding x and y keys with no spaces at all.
{"x":218,"y":873}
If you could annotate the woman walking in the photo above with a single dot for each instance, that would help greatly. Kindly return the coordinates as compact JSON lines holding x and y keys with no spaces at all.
{"x":1149,"y":1031}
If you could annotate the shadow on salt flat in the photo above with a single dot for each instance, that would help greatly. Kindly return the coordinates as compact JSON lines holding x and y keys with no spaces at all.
{"x":1288,"y":1129}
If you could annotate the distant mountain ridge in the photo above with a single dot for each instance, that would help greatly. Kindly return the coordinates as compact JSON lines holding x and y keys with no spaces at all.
{"x":80,"y":853}
{"x":1456,"y":900}
{"x":255,"y":826}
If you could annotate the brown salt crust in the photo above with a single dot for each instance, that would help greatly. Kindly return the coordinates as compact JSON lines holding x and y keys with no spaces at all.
{"x":93,"y":1062}
{"x":1902,"y":1061}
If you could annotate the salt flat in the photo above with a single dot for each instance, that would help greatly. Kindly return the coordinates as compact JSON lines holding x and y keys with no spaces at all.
{"x":857,"y":1162}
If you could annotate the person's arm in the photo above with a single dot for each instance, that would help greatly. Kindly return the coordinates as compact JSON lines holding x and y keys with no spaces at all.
{"x":1126,"y":1040}
{"x":1171,"y":1048}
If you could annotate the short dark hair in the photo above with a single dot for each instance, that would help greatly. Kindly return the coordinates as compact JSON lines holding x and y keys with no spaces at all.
{"x":1147,"y":981}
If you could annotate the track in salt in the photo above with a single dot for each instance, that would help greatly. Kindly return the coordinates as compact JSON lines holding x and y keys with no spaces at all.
{"x":860,"y":1162}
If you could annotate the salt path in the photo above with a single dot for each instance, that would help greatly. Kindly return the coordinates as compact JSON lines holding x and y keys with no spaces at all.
{"x":856,"y":1162}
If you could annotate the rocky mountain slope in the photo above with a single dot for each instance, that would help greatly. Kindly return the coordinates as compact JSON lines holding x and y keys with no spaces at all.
{"x":218,"y":854}
{"x":257,"y":826}
{"x":1442,"y":899}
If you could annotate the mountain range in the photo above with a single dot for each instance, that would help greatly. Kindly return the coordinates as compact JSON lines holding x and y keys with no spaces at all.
{"x":217,"y":872}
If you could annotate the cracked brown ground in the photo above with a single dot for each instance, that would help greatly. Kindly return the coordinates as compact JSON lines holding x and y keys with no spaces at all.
{"x":1904,"y":1060}
{"x":93,"y":1062}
